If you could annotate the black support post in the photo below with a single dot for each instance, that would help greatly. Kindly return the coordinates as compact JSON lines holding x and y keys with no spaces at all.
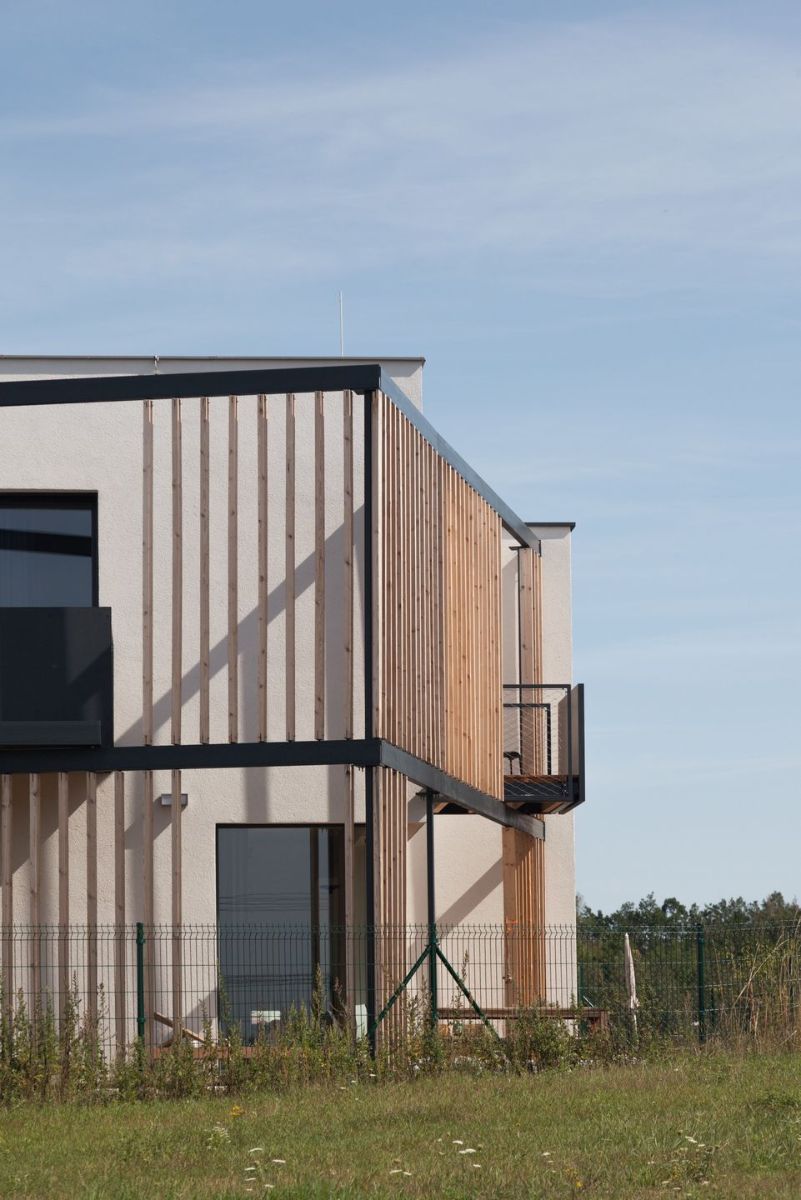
{"x":369,"y":775}
{"x":432,"y":908}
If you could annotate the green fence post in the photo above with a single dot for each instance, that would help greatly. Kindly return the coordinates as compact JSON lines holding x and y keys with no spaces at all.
{"x":700,"y":958}
{"x":140,"y":981}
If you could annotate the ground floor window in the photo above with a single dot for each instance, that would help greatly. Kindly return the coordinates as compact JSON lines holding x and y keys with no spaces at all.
{"x":280,"y":916}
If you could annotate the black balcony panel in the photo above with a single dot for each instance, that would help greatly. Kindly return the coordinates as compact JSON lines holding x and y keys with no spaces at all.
{"x":56,"y":677}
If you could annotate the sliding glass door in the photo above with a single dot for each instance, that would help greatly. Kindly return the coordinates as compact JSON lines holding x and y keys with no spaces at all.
{"x":280,"y":913}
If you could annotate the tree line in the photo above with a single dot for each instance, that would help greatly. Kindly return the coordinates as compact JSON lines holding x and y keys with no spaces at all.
{"x":649,"y":913}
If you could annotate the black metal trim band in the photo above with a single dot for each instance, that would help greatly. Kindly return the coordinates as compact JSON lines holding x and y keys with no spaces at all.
{"x":97,"y":389}
{"x":369,"y":752}
{"x":457,"y":792}
{"x":204,"y":756}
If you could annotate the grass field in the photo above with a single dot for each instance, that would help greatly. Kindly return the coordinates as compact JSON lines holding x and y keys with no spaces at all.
{"x":715,"y":1125}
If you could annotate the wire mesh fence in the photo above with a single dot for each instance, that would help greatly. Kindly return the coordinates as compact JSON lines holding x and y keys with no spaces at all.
{"x":128,"y":983}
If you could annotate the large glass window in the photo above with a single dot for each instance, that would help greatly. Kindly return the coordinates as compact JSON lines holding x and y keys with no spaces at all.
{"x":280,"y":906}
{"x":48,"y":553}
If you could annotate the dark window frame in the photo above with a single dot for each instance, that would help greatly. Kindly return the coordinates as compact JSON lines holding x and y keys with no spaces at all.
{"x":59,"y":500}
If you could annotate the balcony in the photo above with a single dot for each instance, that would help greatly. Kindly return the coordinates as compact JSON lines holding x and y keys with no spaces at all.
{"x":56,"y":677}
{"x":543,"y":746}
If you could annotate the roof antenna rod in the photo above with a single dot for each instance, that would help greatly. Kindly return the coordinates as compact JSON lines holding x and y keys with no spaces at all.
{"x":341,"y":327}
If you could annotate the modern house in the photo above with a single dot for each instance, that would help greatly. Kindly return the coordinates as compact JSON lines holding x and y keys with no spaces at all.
{"x":272,"y":655}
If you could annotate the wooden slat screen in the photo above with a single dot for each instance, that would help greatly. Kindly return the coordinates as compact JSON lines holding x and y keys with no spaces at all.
{"x":524,"y":856}
{"x":389,"y":876}
{"x":440,"y":685}
{"x":524,"y":917}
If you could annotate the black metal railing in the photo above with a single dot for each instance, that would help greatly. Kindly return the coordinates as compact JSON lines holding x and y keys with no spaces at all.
{"x":543,"y":745}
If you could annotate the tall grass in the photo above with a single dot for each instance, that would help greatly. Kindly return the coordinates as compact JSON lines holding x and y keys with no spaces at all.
{"x":750,"y":999}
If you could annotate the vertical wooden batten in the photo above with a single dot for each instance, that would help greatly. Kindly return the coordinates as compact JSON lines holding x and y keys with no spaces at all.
{"x":524,"y":856}
{"x":319,"y":566}
{"x":63,"y":891}
{"x":290,"y":567}
{"x":34,"y":858}
{"x":177,"y":908}
{"x":350,"y":944}
{"x":119,"y":911}
{"x":378,"y":403}
{"x":91,"y":900}
{"x":7,"y":881}
{"x":205,"y":637}
{"x":529,"y":764}
{"x":263,"y":517}
{"x":390,"y":896}
{"x":148,"y":901}
{"x":233,"y":569}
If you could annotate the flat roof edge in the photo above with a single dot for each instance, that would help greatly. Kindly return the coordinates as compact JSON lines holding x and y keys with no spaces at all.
{"x":162,"y":358}
{"x":571,"y":525}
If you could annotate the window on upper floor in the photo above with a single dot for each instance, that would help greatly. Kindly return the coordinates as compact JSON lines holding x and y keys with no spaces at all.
{"x":48,"y":550}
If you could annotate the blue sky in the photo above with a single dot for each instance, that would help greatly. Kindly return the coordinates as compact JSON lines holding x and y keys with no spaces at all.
{"x":587,"y":217}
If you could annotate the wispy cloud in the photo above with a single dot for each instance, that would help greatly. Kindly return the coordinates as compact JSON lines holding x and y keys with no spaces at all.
{"x":608,"y":154}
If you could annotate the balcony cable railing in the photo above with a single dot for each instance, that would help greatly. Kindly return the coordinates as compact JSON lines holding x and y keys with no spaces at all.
{"x":543,"y":745}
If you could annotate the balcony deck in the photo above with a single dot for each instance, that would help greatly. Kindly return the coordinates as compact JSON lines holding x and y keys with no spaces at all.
{"x":542,"y":794}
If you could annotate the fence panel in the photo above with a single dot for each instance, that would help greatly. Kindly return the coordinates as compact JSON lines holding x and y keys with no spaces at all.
{"x":691,"y":983}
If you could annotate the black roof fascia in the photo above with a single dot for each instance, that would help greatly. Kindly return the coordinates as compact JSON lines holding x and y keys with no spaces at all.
{"x":96,"y":389}
{"x":571,"y":525}
{"x":358,"y":377}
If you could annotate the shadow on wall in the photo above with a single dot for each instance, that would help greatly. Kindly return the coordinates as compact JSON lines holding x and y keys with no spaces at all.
{"x":248,"y":645}
{"x":462,"y":910}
